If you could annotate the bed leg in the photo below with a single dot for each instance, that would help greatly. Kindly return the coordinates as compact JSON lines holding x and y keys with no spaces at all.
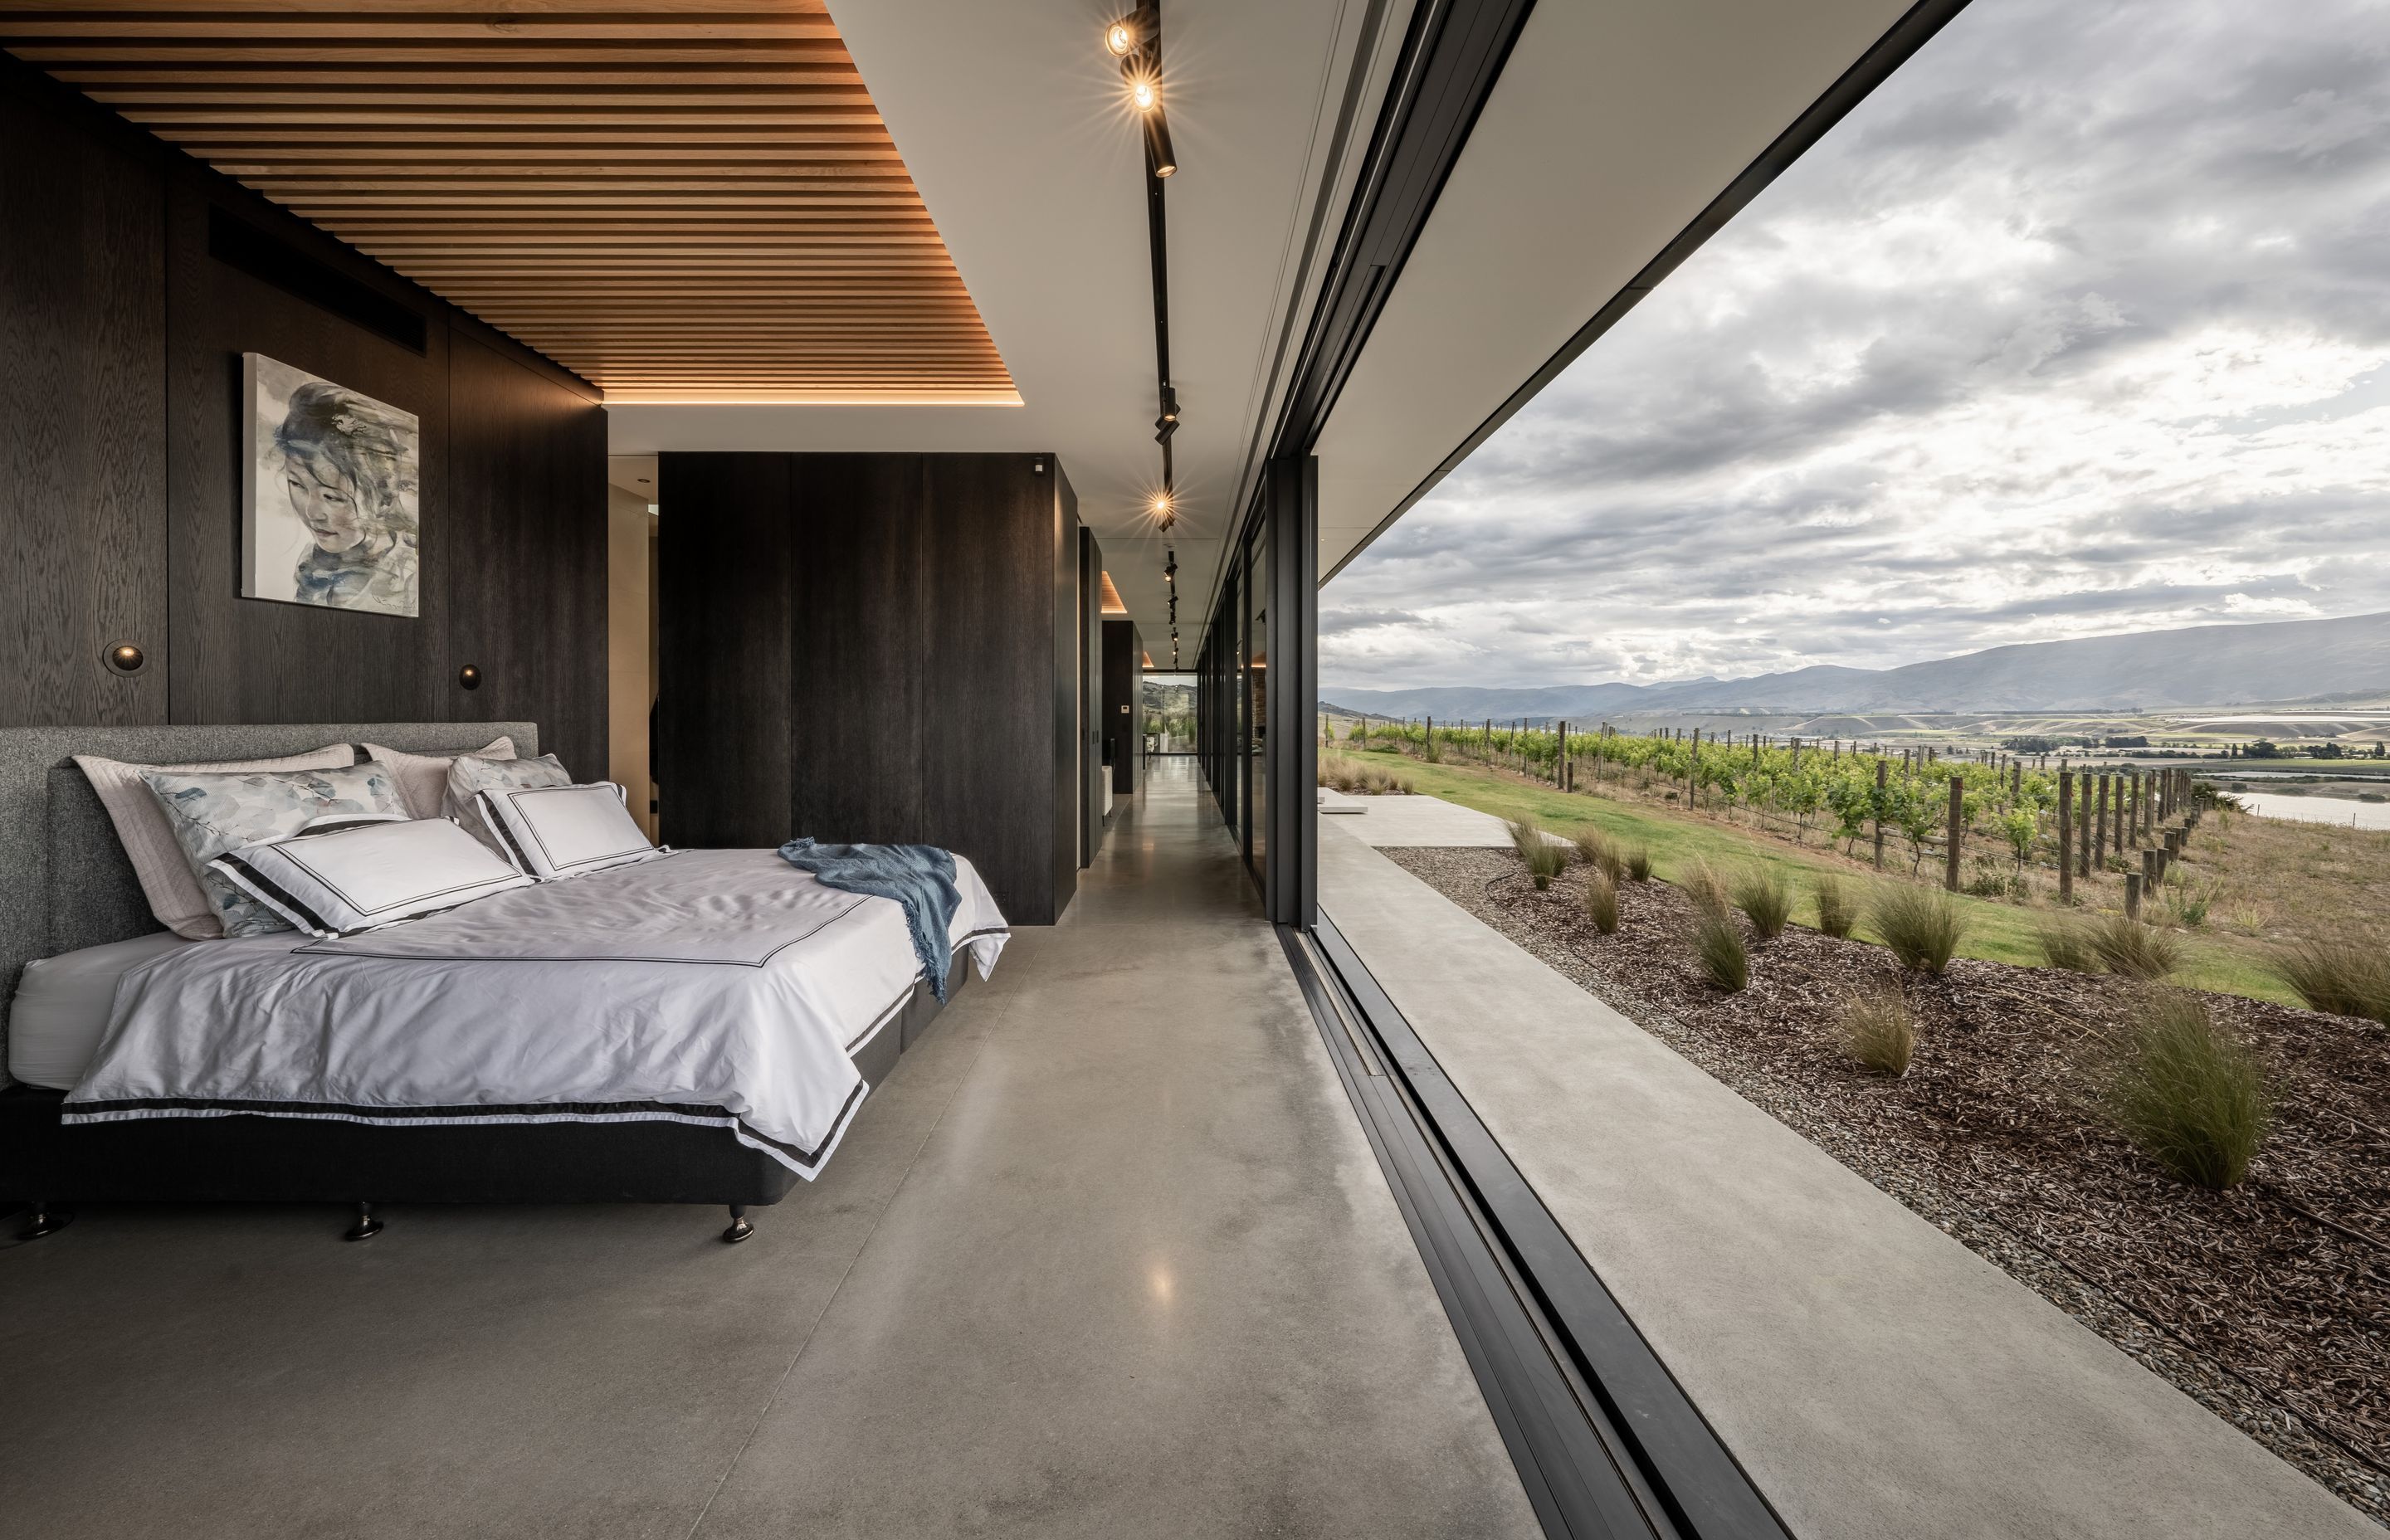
{"x":366,"y":1226}
{"x":740,"y":1229}
{"x":44,"y":1220}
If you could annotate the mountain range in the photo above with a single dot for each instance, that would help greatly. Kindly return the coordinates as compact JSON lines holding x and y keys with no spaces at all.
{"x":2141,"y":671}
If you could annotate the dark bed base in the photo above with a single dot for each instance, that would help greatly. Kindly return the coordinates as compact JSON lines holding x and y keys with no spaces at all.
{"x":255,"y":1160}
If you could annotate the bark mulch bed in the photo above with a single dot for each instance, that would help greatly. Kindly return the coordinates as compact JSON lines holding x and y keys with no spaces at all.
{"x":2270,"y":1304}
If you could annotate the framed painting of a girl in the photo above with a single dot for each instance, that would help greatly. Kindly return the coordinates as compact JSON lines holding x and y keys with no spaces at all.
{"x":330,"y":495}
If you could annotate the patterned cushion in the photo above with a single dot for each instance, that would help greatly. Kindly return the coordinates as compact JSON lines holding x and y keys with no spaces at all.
{"x":167,"y":878}
{"x":423,"y":778}
{"x":469,"y":776}
{"x":213,"y":813}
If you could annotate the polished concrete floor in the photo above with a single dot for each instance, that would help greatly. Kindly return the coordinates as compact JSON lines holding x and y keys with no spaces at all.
{"x":1107,"y":1255}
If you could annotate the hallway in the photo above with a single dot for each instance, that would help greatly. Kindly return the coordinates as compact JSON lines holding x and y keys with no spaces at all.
{"x":1107,"y":1255}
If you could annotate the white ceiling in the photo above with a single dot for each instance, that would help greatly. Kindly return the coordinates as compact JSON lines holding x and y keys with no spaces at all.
{"x":1613,"y":124}
{"x":1012,"y":121}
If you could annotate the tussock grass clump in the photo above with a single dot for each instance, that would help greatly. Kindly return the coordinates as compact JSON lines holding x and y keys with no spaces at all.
{"x":1546,"y":858}
{"x":2189,"y":1094}
{"x":1707,"y":891}
{"x":2340,"y":976}
{"x":1717,"y":943}
{"x":1355,"y":776}
{"x":1601,"y":902}
{"x":2063,"y":944}
{"x":1601,"y":853}
{"x":1766,"y":894}
{"x":1837,"y":910}
{"x":1639,"y":863}
{"x":1923,"y":925}
{"x":2133,"y":949}
{"x":1878,"y":1030}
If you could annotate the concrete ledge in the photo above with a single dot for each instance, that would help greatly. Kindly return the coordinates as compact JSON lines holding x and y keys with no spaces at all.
{"x":1875,"y":1377}
{"x":1417,"y":820}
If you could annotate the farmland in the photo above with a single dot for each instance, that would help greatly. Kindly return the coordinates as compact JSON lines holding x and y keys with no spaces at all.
{"x":2240,"y":889}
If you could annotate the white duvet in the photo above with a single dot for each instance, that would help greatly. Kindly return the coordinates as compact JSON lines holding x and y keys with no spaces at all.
{"x":718,"y":987}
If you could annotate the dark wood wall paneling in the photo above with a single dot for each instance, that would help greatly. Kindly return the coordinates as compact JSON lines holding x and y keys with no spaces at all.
{"x":1123,"y":717}
{"x":1091,"y":689}
{"x":1069,"y":598}
{"x":727,"y":575}
{"x":862,"y":730}
{"x":83,"y":377}
{"x":239,"y":659}
{"x":863,"y":647}
{"x":121,"y":430}
{"x":526,"y":555}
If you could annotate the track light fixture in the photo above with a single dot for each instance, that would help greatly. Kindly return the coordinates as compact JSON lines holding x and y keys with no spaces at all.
{"x":1136,"y":41}
{"x":1170,"y":567}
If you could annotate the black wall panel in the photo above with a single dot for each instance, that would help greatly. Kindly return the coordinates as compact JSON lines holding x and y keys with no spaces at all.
{"x":83,"y":465}
{"x":862,"y":739}
{"x":999,"y":580}
{"x":864,"y":647}
{"x":1123,"y":714}
{"x":526,"y":544}
{"x":239,"y":659}
{"x":727,"y":574}
{"x":1069,"y":598}
{"x":121,"y":439}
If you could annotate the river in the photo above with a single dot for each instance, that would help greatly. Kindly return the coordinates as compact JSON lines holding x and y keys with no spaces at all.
{"x":2316,"y":810}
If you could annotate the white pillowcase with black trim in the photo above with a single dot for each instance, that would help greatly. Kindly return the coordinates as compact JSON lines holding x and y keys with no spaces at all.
{"x":344,"y":873}
{"x":552,"y":831}
{"x":471,"y":775}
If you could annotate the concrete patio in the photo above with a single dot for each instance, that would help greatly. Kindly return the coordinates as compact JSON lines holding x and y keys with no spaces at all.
{"x":1875,"y":1377}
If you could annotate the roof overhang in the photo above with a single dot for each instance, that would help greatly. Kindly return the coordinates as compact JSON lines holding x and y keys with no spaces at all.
{"x":1617,"y":136}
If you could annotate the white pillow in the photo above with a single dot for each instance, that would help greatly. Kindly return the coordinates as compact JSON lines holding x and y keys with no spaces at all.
{"x":345,"y":874}
{"x":470,"y":775}
{"x":552,"y":831}
{"x":423,"y":778}
{"x":213,"y":813}
{"x":62,"y":1004}
{"x":167,"y":880}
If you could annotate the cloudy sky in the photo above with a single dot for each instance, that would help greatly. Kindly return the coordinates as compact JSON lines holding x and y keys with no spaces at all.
{"x":2078,"y":325}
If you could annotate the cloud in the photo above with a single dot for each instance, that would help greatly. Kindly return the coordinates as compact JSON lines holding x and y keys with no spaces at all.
{"x":2079,"y":325}
{"x":1333,"y":622}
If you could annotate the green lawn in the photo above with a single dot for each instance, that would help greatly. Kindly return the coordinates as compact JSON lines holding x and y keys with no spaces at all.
{"x":2002,"y":932}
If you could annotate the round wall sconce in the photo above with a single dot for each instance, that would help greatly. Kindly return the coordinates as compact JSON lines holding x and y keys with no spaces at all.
{"x":468,"y":677}
{"x":124,"y":657}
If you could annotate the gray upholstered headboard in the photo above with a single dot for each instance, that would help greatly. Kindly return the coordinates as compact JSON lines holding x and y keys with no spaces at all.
{"x":66,"y":879}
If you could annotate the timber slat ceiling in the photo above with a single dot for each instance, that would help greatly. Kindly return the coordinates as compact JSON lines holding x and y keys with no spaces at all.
{"x":674,"y":198}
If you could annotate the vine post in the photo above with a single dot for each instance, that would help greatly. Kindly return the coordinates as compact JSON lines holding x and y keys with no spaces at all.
{"x":2065,"y":836}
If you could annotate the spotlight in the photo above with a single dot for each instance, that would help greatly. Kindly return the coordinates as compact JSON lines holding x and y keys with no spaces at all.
{"x":1145,"y":93}
{"x":1170,"y":568}
{"x":1121,"y":38}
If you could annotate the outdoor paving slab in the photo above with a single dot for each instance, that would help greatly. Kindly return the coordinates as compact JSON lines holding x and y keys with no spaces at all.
{"x":1875,"y":1377}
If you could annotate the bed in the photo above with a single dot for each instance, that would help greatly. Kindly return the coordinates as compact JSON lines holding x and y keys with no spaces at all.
{"x":700,"y":1028}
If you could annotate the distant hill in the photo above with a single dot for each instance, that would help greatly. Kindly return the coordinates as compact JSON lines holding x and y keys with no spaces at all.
{"x":2201,"y":665}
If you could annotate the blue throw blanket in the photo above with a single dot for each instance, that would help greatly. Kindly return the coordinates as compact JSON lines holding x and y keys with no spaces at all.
{"x":921,"y":878}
